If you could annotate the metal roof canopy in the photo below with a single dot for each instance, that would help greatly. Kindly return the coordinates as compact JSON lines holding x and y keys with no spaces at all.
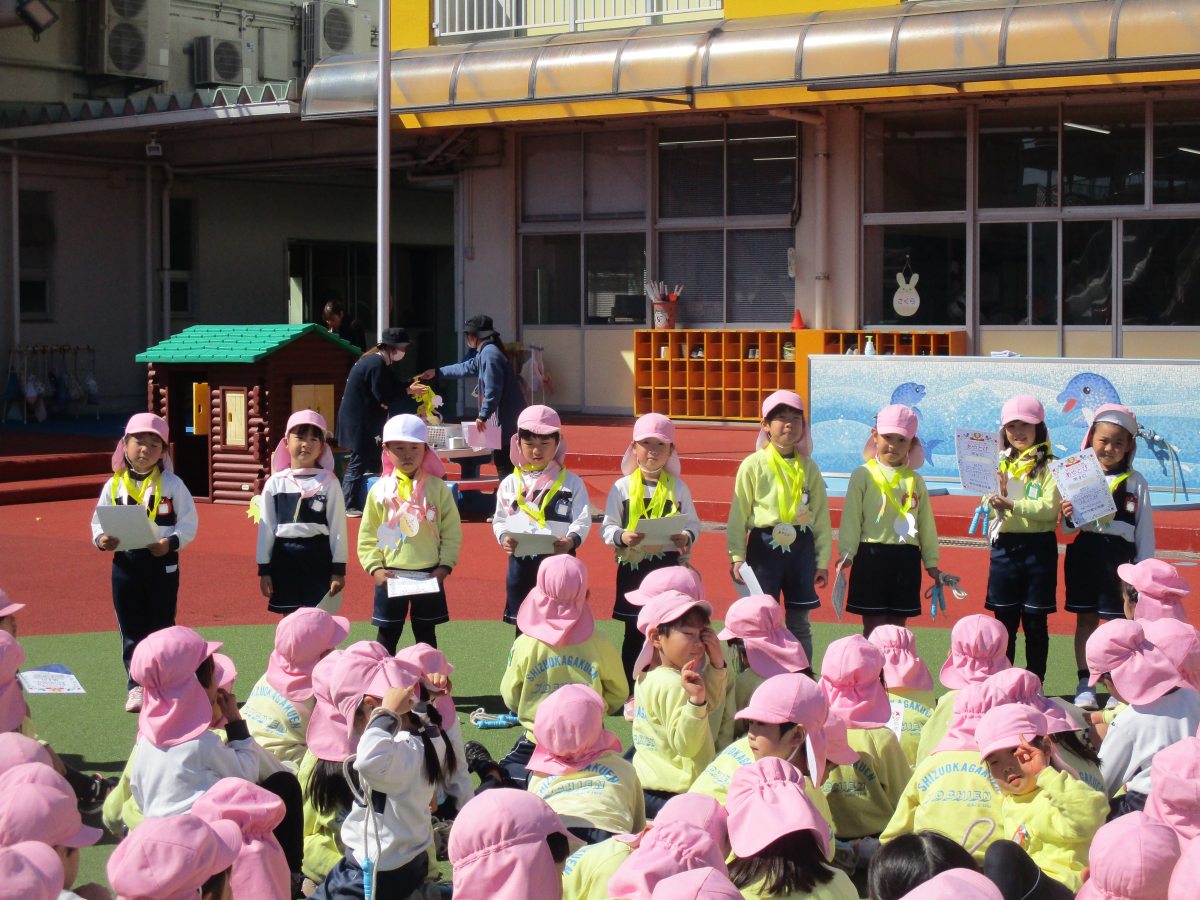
{"x":932,"y":42}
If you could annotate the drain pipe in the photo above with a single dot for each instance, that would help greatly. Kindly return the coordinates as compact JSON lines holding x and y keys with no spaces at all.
{"x":821,"y":304}
{"x":148,"y":252}
{"x":15,"y":210}
{"x":165,"y":228}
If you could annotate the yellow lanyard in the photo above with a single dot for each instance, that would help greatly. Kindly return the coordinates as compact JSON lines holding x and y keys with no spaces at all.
{"x":538,"y":515}
{"x":789,"y":477}
{"x":664,"y":491}
{"x":1116,"y":482}
{"x":139,"y":493}
{"x":887,"y":487}
{"x":1024,"y":463}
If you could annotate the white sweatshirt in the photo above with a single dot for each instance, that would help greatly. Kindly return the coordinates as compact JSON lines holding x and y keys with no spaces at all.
{"x":1139,"y":732}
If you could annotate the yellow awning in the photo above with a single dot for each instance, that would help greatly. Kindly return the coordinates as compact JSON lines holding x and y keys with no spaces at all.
{"x":948,"y":44}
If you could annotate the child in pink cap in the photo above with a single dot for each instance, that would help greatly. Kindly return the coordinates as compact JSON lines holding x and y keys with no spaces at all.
{"x":31,"y":871}
{"x":16,"y":749}
{"x":908,"y":682}
{"x":914,"y":859}
{"x":1093,"y":586}
{"x":327,"y":797}
{"x":786,"y":718}
{"x":666,"y":850}
{"x":1050,"y":815}
{"x":1132,"y":858}
{"x":1180,"y":642}
{"x":302,"y":525}
{"x":1175,"y":789}
{"x":760,"y":646}
{"x":176,"y":857}
{"x":508,"y":844}
{"x":1186,"y":874}
{"x":145,"y":580}
{"x":540,"y":496}
{"x":862,"y":796}
{"x":1158,"y":590}
{"x":8,"y":613}
{"x":957,"y":884}
{"x":951,"y":791}
{"x":780,"y":841}
{"x":436,"y":686}
{"x":261,"y":869}
{"x":38,"y":812}
{"x":557,"y":644}
{"x":1162,"y":708}
{"x":410,"y":530}
{"x":705,"y":883}
{"x":977,"y":650}
{"x":577,"y":767}
{"x":649,"y":488}
{"x":588,"y":870}
{"x":887,"y":530}
{"x":402,"y":758}
{"x":1023,"y":571}
{"x":280,"y":704}
{"x":779,"y":518}
{"x":676,"y":692}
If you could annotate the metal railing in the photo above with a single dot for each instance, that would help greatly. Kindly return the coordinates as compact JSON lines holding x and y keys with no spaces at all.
{"x":458,"y":19}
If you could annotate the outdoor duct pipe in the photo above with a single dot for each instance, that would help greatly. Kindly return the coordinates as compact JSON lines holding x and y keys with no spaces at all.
{"x":819,"y":121}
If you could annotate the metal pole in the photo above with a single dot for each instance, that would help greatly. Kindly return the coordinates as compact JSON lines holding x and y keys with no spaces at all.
{"x":383,"y":198}
{"x":148,"y":253}
{"x":165,"y":232}
{"x":15,"y":231}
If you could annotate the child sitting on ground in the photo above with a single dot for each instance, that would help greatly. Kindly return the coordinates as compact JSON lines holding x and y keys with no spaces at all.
{"x":760,"y":646}
{"x":666,"y":850}
{"x":558,"y":645}
{"x":1157,"y":587}
{"x":650,"y":488}
{"x":261,"y":869}
{"x":1134,"y":857}
{"x":1050,"y":815}
{"x":540,"y":494}
{"x":672,"y":738}
{"x":908,"y":682}
{"x":781,"y":843}
{"x":862,"y":797}
{"x":779,"y":519}
{"x":577,"y":768}
{"x":177,"y":856}
{"x":1162,"y":708}
{"x":280,"y":704}
{"x":977,"y":650}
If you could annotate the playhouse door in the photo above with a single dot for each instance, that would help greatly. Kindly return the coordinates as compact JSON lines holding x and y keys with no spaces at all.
{"x":189,"y":432}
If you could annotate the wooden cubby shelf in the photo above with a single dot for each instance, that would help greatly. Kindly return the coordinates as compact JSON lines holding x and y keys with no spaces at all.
{"x":724,"y":375}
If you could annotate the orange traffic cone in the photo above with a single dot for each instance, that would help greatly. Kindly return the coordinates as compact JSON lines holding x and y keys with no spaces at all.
{"x":798,"y":321}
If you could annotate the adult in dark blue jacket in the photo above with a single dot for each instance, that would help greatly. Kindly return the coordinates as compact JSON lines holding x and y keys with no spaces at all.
{"x":371,"y":387}
{"x":499,"y":390}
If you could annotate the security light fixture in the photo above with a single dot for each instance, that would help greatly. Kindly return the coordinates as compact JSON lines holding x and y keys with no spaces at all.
{"x":37,"y":14}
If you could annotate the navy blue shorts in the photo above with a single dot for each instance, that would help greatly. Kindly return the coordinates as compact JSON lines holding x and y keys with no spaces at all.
{"x":1090,"y":570}
{"x":785,"y":575}
{"x":1024,"y":572}
{"x":885,"y":580}
{"x":427,"y":609}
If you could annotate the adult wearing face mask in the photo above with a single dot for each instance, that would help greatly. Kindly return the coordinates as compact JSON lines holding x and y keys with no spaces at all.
{"x":499,"y":391}
{"x":371,"y":387}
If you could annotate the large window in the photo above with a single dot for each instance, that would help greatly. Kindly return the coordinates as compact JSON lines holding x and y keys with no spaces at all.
{"x":725,"y":200}
{"x":1176,"y":152}
{"x":916,"y":161}
{"x":932,"y":258}
{"x":36,"y":253}
{"x":1018,"y":273}
{"x":1018,"y":157}
{"x":1161,"y":275}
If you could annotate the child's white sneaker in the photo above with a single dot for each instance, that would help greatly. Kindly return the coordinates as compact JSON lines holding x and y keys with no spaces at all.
{"x":1085,"y":697}
{"x":133,"y":702}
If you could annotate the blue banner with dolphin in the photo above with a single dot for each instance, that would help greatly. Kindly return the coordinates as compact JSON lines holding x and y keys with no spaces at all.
{"x":948,"y":392}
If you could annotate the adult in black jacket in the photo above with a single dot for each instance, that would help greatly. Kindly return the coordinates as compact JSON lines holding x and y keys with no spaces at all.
{"x":499,"y":392}
{"x":371,"y":387}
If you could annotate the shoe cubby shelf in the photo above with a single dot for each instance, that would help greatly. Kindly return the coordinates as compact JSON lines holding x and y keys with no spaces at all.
{"x":724,"y":375}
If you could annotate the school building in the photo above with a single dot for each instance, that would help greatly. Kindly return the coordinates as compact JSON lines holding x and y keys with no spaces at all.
{"x":1021,"y":174}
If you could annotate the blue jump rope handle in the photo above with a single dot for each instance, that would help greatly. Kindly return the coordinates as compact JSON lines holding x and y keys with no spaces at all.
{"x":979,"y":511}
{"x":367,"y":865}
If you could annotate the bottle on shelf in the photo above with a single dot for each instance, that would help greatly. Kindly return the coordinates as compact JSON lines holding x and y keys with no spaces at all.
{"x":869,"y":347}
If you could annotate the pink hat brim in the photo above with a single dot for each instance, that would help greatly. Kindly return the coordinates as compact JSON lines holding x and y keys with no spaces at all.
{"x":916,"y":453}
{"x":10,"y":609}
{"x":777,"y":653}
{"x":557,"y":630}
{"x":544,"y":762}
{"x":672,"y":466}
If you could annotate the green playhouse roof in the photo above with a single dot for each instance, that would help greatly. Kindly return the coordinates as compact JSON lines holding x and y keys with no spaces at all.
{"x":232,"y":343}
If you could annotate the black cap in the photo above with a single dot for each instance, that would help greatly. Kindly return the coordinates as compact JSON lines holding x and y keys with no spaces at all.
{"x":479,"y":326}
{"x":395,"y":337}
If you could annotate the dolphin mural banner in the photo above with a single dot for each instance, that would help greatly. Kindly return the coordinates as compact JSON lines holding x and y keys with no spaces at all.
{"x":952,"y":392}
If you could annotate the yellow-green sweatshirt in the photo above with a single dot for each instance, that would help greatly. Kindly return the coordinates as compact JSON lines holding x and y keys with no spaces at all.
{"x":737,"y":698}
{"x":323,"y":847}
{"x":436,"y":543}
{"x":586,"y":872}
{"x":947,"y":792}
{"x":936,"y":726}
{"x":756,"y":505}
{"x":1036,"y":503}
{"x":673,"y":739}
{"x":536,"y":670}
{"x":868,"y":517}
{"x":863,"y":796}
{"x":914,"y":709}
{"x":1055,"y":824}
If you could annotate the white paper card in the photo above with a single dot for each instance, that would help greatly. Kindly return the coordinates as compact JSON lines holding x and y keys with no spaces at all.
{"x":1081,"y":481}
{"x":978,"y":460}
{"x":40,"y":681}
{"x":896,"y":722}
{"x":409,"y":585}
{"x":838,"y":597}
{"x":532,"y":543}
{"x":488,"y":439}
{"x":658,"y":532}
{"x":128,"y":524}
{"x":750,"y":579}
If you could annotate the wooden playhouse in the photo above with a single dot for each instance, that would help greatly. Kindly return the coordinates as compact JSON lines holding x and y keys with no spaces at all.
{"x":227,"y":392}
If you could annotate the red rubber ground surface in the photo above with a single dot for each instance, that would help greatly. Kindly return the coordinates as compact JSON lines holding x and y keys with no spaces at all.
{"x":50,"y":565}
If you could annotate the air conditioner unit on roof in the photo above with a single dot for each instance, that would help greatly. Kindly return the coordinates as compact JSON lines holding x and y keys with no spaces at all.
{"x":216,"y":60}
{"x":332,"y":29}
{"x":128,"y":38}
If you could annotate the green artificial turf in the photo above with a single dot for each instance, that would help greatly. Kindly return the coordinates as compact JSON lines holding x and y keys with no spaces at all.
{"x":93,"y":732}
